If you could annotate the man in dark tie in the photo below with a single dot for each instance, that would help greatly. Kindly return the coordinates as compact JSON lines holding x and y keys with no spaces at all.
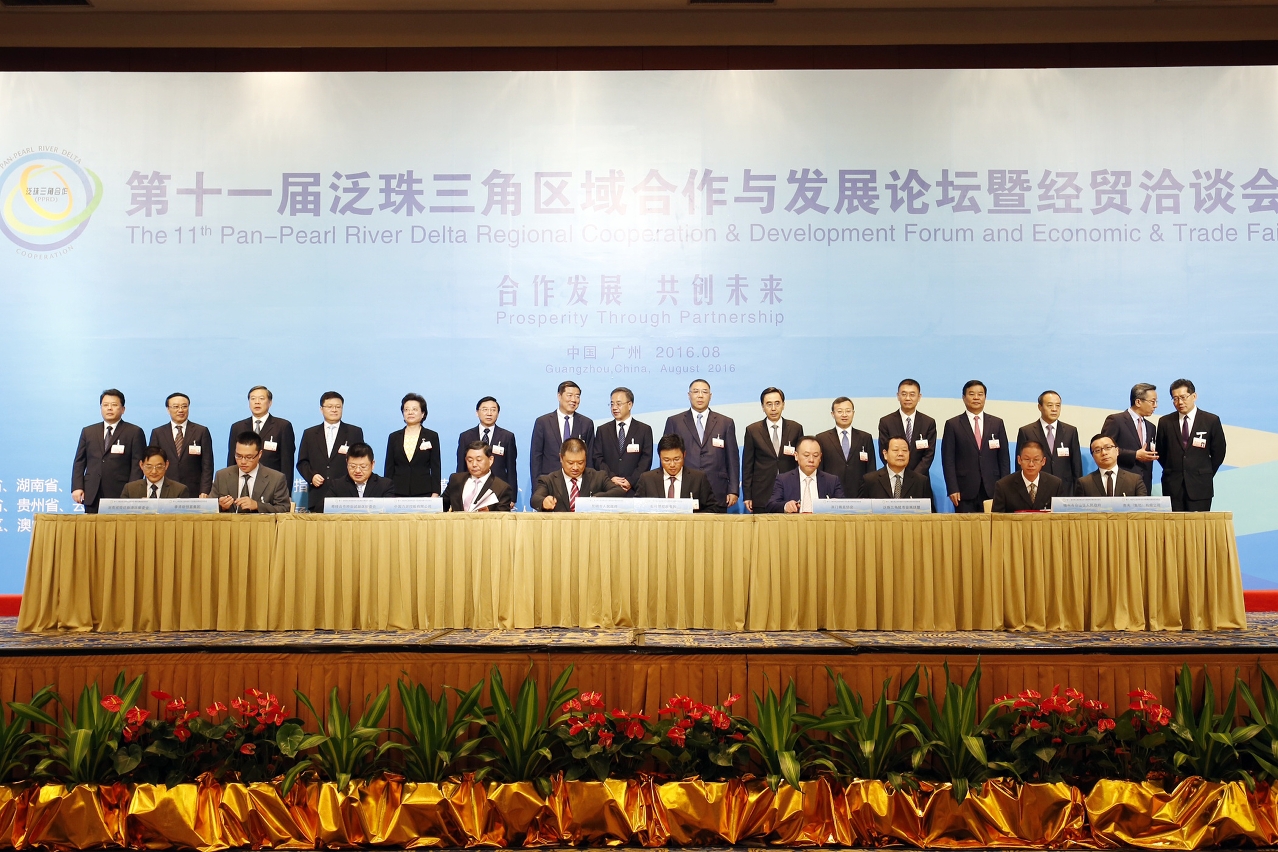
{"x":1135,"y":434}
{"x":478,"y":489}
{"x":895,"y":480}
{"x":279,"y":447}
{"x":1058,"y":438}
{"x":623,"y":445}
{"x":1191,"y":448}
{"x":1029,"y":489}
{"x":108,"y":456}
{"x":1109,"y":480}
{"x":322,"y":456}
{"x":795,"y":491}
{"x":710,"y":443}
{"x":551,"y":430}
{"x":558,"y":490}
{"x":505,"y":455}
{"x":770,"y":447}
{"x":188,"y":445}
{"x":675,"y":480}
{"x":914,"y":426}
{"x":360,"y":480}
{"x":846,"y":452}
{"x":154,"y":484}
{"x":974,"y":452}
{"x":250,"y":487}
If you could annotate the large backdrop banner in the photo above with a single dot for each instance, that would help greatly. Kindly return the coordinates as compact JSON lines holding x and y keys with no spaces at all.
{"x":464,"y":234}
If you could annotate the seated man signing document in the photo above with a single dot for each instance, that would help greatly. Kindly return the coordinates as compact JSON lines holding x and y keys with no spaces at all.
{"x":249,"y":486}
{"x":796,"y":490}
{"x":478,"y":489}
{"x":558,"y":491}
{"x":362,"y":482}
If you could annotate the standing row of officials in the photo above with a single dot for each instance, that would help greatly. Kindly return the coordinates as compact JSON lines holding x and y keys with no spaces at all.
{"x":698,"y":455}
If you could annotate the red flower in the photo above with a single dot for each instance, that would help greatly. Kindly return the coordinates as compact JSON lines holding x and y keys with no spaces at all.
{"x":1073,"y":694}
{"x":594,"y":699}
{"x":112,"y":703}
{"x":685,"y":723}
{"x":618,"y":713}
{"x":182,"y":732}
{"x":576,"y":728}
{"x":241,"y":706}
{"x":597,"y":719}
{"x":255,"y":694}
{"x":215,"y":708}
{"x":635,"y":730}
{"x":1037,"y":725}
{"x":160,"y":695}
{"x":738,"y":736}
{"x":721,"y":720}
{"x":259,"y":729}
{"x":177,"y":705}
{"x":136,"y":716}
{"x":731,"y":699}
{"x":1022,"y":703}
{"x":569,"y":706}
{"x":677,"y":736}
{"x":1103,"y":725}
{"x":248,"y":748}
{"x":605,"y":738}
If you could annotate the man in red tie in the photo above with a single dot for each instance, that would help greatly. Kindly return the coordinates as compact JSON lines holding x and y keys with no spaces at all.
{"x":558,"y":491}
{"x":974,"y":452}
{"x":1191,"y":448}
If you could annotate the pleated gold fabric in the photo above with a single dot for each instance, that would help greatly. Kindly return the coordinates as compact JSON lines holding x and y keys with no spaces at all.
{"x":522,"y":570}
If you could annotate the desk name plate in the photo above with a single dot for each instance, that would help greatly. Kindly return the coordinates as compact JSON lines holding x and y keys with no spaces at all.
{"x":1111,"y":504}
{"x":146,"y":506}
{"x":637,"y":505}
{"x":851,"y":506}
{"x":383,"y":505}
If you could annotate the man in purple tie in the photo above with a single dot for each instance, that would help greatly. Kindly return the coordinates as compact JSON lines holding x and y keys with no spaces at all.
{"x":1191,"y":448}
{"x":551,"y":430}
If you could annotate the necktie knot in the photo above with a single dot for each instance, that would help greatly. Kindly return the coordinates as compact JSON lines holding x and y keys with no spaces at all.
{"x":257,"y":425}
{"x":486,"y":431}
{"x":155,"y":491}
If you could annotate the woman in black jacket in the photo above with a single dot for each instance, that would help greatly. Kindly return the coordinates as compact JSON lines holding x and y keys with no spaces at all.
{"x":412,"y":453}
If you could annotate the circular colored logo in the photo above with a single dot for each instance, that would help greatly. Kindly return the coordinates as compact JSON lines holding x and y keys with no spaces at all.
{"x":46,"y":200}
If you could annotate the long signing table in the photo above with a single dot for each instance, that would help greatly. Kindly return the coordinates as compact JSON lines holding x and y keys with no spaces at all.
{"x":725,"y":572}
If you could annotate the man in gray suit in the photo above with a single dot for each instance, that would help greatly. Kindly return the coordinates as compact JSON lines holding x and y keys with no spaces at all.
{"x":249,"y":486}
{"x":154,"y":484}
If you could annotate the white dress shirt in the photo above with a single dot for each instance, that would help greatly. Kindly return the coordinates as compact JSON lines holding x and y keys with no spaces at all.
{"x":174,"y":426}
{"x":159,"y":488}
{"x":807,"y":491}
{"x":471,"y":491}
{"x":254,"y":420}
{"x":1028,"y":482}
{"x":330,"y":435}
{"x":971,"y":423}
{"x":626,"y":423}
{"x":568,"y":485}
{"x":779,"y":441}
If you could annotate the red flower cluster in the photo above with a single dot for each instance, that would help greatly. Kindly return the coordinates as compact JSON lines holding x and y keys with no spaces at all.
{"x":695,"y":711}
{"x":1069,"y":709}
{"x":134,"y":720}
{"x":598,"y":725}
{"x":1147,"y":709}
{"x":176,"y":714}
{"x":257,"y":710}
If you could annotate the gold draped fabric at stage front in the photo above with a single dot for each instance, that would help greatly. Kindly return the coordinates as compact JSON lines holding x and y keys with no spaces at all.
{"x":387,"y":812}
{"x":522,"y":570}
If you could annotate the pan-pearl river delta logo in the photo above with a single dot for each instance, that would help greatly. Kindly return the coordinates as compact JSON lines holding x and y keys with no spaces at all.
{"x":46,"y":199}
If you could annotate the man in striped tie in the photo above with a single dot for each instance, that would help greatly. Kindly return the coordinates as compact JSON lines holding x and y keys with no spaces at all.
{"x":560,"y":490}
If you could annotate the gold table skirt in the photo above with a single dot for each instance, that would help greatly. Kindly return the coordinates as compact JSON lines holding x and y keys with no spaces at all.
{"x":725,"y":572}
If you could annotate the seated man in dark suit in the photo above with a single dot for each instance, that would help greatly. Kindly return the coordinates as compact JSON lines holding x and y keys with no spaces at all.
{"x":361,"y":481}
{"x":675,"y":480}
{"x":896,"y":481}
{"x":1029,"y":489}
{"x":478,"y":490}
{"x":796,"y":490}
{"x":250,"y":486}
{"x":558,"y":491}
{"x":153,"y":485}
{"x":1109,"y":480}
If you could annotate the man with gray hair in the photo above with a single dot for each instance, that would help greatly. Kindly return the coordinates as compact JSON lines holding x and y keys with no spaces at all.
{"x":1135,"y":434}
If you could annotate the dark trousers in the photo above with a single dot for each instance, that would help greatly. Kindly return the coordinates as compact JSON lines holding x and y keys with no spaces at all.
{"x":974,"y":506}
{"x":1181,"y":503}
{"x":92,"y":508}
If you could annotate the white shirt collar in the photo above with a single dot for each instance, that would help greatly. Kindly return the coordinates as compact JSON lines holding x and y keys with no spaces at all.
{"x":481,"y":480}
{"x":106,"y":425}
{"x":1135,"y":417}
{"x":159,"y":485}
{"x":239,"y":480}
{"x":253,"y":418}
{"x":665,"y":481}
{"x":1193,"y":412}
{"x":891,"y":473}
{"x":901,"y":412}
{"x":625,"y":423}
{"x":561,"y":414}
{"x":1026,"y":480}
{"x":568,"y":482}
{"x":328,"y":425}
{"x":971,"y":418}
{"x":173,"y":424}
{"x":803,"y":476}
{"x":1044,"y":425}
{"x":705,"y":415}
{"x":779,"y":424}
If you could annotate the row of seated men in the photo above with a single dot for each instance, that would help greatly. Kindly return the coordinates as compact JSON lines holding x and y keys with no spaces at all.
{"x":1189,"y":444}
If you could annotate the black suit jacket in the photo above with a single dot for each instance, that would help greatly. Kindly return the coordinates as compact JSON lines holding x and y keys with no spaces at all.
{"x":1120,"y":427}
{"x":274,"y":430}
{"x":313,"y":458}
{"x":1011,"y":495}
{"x":140,"y":489}
{"x":860,"y":461}
{"x":760,"y":466}
{"x":419,"y":477}
{"x":377,"y":486}
{"x":193,"y":471}
{"x":505,"y":464}
{"x":1068,"y":469}
{"x":890,"y":426}
{"x":789,"y":487}
{"x":968,"y":467}
{"x":878,"y":486}
{"x":100,"y":473}
{"x":454,"y":493}
{"x":594,"y":483}
{"x":608,"y":456}
{"x":721,"y":465}
{"x":1191,"y":469}
{"x":1126,"y":484}
{"x":693,"y":483}
{"x":548,"y":436}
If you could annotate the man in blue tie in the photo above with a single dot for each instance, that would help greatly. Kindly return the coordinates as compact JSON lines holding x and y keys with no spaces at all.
{"x":710,"y":441}
{"x":846,"y":452}
{"x":551,"y":430}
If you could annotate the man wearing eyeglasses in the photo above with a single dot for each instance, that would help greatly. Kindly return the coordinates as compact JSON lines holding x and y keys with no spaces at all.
{"x":249,"y":486}
{"x":1191,"y":448}
{"x":1109,"y":480}
{"x":154,"y":484}
{"x":321,"y":459}
{"x":362,"y":482}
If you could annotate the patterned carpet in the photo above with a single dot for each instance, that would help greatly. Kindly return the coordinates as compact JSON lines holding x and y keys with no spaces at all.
{"x":1261,"y":635}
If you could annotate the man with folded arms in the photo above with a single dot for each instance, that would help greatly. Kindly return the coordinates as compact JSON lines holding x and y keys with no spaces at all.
{"x":674,"y":480}
{"x":361,"y":481}
{"x":559,"y":490}
{"x":795,"y":491}
{"x":896,"y":481}
{"x":154,"y":485}
{"x":249,"y":486}
{"x":623,"y":445}
{"x":1109,"y":480}
{"x":478,"y":489}
{"x":1029,"y":489}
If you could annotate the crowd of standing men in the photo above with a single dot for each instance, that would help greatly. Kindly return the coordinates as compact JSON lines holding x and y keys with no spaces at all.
{"x":780,"y":467}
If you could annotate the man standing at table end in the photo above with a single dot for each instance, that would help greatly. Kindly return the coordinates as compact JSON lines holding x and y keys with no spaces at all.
{"x":551,"y":430}
{"x":505,"y":454}
{"x":974,"y":452}
{"x":846,"y":452}
{"x":279,"y":447}
{"x":558,"y":490}
{"x":248,"y":486}
{"x":1135,"y":434}
{"x":895,"y":480}
{"x":918,"y":430}
{"x":322,"y":456}
{"x":1029,"y":489}
{"x":154,"y":484}
{"x":675,"y":480}
{"x":795,"y":491}
{"x":188,"y":445}
{"x":623,"y":445}
{"x":1109,"y":480}
{"x":1191,"y":448}
{"x":1058,"y":439}
{"x":710,"y":443}
{"x":108,"y":456}
{"x":769,"y":450}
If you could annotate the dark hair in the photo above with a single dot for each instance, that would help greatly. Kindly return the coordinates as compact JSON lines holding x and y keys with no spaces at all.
{"x":360,"y":450}
{"x":694,"y":381}
{"x":563,"y":386}
{"x":1025,"y":445}
{"x":1182,"y":383}
{"x":630,"y":395}
{"x":1096,"y":438}
{"x":1140,"y":389}
{"x":839,"y":399}
{"x":767,"y":391}
{"x":247,"y":437}
{"x":414,"y":397}
{"x":479,"y":445}
{"x":572,"y":445}
{"x":900,"y":438}
{"x":669,"y":442}
{"x":799,"y":443}
{"x":973,"y":383}
{"x":1045,"y":393}
{"x":111,"y":392}
{"x":154,"y":451}
{"x":491,"y":399}
{"x":170,"y":396}
{"x":327,"y":395}
{"x":905,"y":382}
{"x":269,"y":395}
